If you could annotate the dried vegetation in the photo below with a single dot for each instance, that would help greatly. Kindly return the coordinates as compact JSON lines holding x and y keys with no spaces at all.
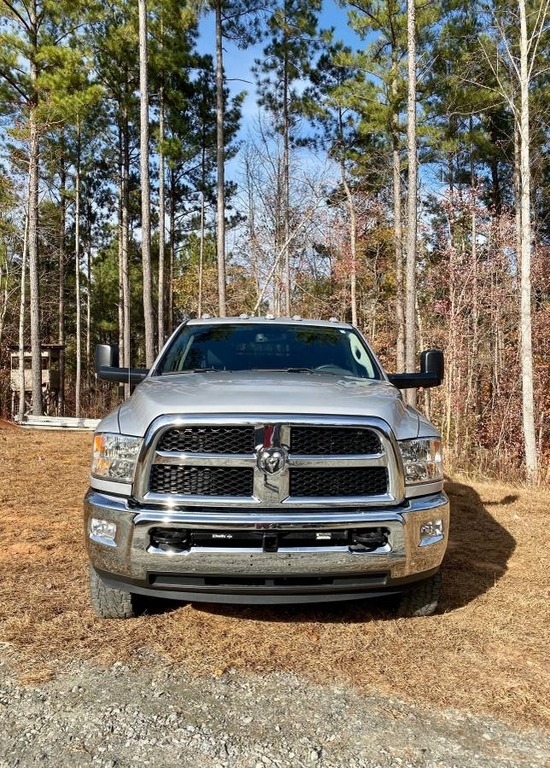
{"x":486,"y":651}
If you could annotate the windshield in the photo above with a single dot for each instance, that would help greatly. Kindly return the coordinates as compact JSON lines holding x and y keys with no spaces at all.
{"x":240,"y":347}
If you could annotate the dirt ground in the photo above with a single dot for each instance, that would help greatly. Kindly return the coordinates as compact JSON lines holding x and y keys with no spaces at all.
{"x":486,"y":651}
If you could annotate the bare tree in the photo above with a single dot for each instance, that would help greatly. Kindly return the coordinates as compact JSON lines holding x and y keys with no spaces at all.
{"x":525,"y":73}
{"x":518,"y":73}
{"x":220,"y":159}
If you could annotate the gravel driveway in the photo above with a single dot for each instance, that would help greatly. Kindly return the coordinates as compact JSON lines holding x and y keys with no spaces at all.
{"x":158,"y":716}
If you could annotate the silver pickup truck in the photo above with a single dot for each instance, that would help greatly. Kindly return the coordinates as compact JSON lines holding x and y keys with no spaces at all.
{"x":266,"y":461}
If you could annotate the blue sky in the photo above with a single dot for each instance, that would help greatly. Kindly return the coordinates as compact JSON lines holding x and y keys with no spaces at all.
{"x":238,"y":63}
{"x":333,"y":15}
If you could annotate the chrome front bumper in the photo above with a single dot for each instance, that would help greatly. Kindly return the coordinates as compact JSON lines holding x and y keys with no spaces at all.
{"x":252,"y":574}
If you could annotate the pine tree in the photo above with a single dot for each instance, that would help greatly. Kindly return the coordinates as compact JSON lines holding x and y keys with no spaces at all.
{"x":33,"y":43}
{"x":236,"y":20}
{"x":293,"y":38}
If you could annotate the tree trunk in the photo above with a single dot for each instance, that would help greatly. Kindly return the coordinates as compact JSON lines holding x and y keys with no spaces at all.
{"x":410,"y":277}
{"x":398,"y":255}
{"x":398,"y":233}
{"x":61,"y":294}
{"x":162,"y":219}
{"x":286,"y":186}
{"x":88,"y":313}
{"x":78,"y":330}
{"x":145,"y":189}
{"x":528,"y":408}
{"x":201,"y":258}
{"x":220,"y":158}
{"x":124,"y":271}
{"x":172,"y":252}
{"x":5,"y":297}
{"x":37,"y":406}
{"x":352,"y":243}
{"x":21,"y":410}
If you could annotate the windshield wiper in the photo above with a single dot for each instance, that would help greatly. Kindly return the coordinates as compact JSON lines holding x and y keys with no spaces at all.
{"x":194,"y":370}
{"x":283,"y":370}
{"x":299,"y":370}
{"x":210,"y":370}
{"x":323,"y":369}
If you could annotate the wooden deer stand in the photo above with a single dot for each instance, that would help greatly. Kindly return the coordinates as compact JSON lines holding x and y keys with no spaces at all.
{"x":50,"y":355}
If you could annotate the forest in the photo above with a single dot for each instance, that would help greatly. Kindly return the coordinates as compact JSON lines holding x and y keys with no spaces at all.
{"x":393,"y":171}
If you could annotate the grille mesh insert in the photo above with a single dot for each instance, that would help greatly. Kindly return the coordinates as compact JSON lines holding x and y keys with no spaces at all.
{"x":336,"y":441}
{"x":350,"y":481}
{"x":202,"y":481}
{"x":225,"y":440}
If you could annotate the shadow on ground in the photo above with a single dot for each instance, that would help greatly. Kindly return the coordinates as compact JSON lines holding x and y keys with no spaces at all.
{"x":479,"y":547}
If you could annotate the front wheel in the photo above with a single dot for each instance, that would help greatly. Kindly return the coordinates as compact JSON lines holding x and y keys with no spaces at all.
{"x":422,"y":599}
{"x":109,"y":602}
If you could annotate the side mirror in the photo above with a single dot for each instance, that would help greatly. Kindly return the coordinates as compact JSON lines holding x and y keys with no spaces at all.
{"x":432,"y":363}
{"x":432,"y":370}
{"x":106,"y":355}
{"x":106,"y":365}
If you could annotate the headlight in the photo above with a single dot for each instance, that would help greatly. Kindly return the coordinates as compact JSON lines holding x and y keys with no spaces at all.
{"x":114,"y":456}
{"x":422,"y":460}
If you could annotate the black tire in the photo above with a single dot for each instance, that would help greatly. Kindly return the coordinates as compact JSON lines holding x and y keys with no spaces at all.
{"x":109,"y":602}
{"x":422,"y":599}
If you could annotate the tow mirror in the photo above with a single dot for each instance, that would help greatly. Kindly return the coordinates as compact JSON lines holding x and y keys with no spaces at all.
{"x":432,"y":370}
{"x":432,"y":363}
{"x":106,"y":355}
{"x":107,"y":369}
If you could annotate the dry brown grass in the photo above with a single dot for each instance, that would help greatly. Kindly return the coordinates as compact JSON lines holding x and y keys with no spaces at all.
{"x":487,"y":651}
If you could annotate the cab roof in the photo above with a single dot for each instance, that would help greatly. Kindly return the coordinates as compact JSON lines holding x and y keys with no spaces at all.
{"x":268,"y":320}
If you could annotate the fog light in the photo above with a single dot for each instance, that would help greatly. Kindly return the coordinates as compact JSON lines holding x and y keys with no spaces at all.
{"x":103,"y":531}
{"x":170,"y":539}
{"x":431,"y":532}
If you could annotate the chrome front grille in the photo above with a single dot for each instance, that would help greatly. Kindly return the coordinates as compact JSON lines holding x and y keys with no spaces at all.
{"x":268,"y":462}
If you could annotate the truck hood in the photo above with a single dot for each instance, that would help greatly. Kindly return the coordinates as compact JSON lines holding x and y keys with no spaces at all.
{"x":274,"y":393}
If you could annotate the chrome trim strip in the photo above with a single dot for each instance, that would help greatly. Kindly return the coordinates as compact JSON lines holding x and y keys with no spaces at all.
{"x":330,"y":501}
{"x":266,"y":521}
{"x":104,"y":502}
{"x":245,"y":460}
{"x":259,"y":551}
{"x":208,"y":519}
{"x":171,"y":500}
{"x":287,"y":521}
{"x":231,"y":502}
{"x":368,"y":460}
{"x":204,"y":459}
